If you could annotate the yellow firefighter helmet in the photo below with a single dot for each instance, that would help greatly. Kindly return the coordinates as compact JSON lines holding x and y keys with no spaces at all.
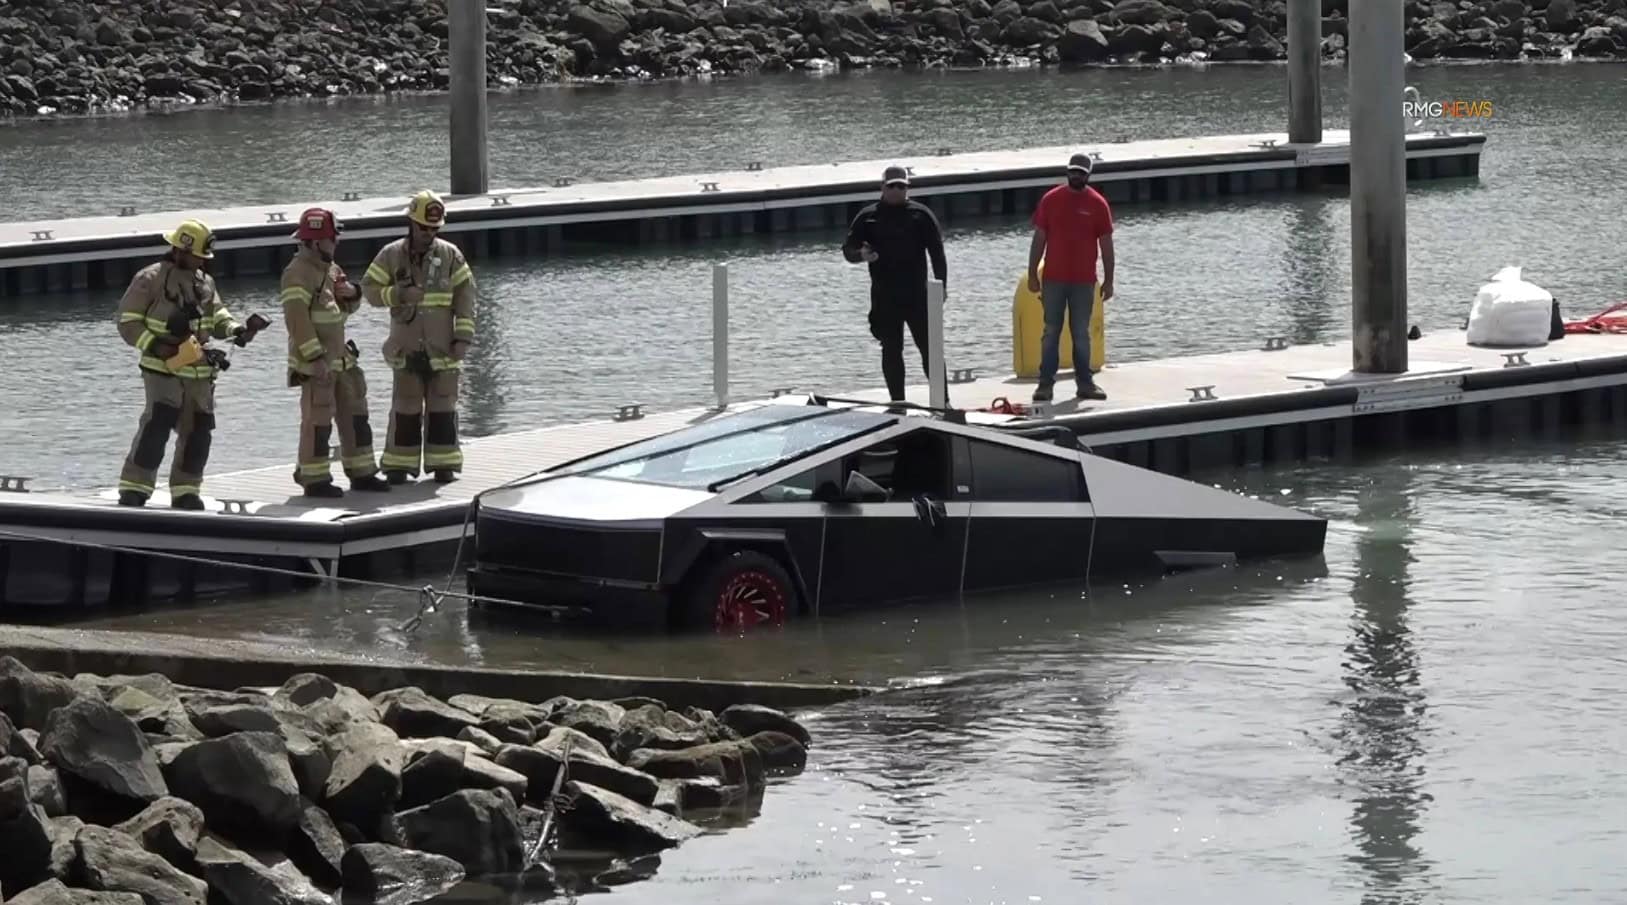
{"x":428,"y":209}
{"x":193,"y":237}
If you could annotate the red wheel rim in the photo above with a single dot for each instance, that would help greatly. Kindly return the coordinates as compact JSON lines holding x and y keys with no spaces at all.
{"x":749,"y":599}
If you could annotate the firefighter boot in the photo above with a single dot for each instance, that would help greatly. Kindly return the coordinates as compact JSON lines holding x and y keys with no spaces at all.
{"x":370,"y":482}
{"x":132,"y":498}
{"x":188,"y":501}
{"x":324,"y":489}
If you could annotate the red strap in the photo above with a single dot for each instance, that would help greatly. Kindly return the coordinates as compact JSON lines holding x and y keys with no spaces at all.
{"x":1601,"y":323}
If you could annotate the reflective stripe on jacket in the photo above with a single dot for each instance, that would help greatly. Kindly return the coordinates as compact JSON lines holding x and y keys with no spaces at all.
{"x":314,"y":315}
{"x":155,"y":295}
{"x":447,"y":312}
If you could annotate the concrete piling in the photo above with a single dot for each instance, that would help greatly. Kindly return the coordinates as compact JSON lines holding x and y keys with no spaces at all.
{"x":466,"y":27}
{"x":1304,"y":71}
{"x":1378,"y":188}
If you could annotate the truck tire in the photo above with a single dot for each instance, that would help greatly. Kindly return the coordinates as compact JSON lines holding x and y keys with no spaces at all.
{"x":742,"y":591}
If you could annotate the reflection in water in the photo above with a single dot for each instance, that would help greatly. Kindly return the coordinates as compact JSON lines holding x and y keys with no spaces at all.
{"x":482,"y":389}
{"x":1314,"y":291}
{"x":1385,"y":714}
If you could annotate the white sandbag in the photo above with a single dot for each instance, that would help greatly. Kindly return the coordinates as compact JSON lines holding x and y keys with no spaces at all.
{"x":1509,"y":311}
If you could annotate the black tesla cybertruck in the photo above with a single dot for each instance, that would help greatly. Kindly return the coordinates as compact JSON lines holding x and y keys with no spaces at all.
{"x":790,"y":511}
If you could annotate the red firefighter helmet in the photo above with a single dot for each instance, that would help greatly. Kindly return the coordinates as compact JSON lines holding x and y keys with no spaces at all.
{"x":318,"y":223}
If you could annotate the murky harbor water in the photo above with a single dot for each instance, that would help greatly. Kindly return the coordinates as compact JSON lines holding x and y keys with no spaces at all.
{"x":1431,"y":713}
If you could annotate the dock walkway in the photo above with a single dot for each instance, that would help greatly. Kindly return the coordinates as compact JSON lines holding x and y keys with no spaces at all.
{"x":101,"y":251}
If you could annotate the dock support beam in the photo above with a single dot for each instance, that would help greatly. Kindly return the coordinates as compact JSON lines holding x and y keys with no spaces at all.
{"x":466,"y":28}
{"x":938,"y":380}
{"x":720,"y":334}
{"x":1378,"y":188}
{"x":1305,"y":71}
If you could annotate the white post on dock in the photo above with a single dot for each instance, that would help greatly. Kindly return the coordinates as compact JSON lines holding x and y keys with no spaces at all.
{"x":1305,"y":71}
{"x":938,"y":376}
{"x":1378,"y":188}
{"x":720,"y":334}
{"x":466,"y":29}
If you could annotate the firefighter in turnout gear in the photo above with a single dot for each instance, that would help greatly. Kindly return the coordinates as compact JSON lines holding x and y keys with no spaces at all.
{"x":429,"y":290}
{"x":169,"y":312}
{"x":317,"y":298}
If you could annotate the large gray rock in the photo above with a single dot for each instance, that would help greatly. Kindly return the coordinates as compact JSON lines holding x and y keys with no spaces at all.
{"x":28,"y":698}
{"x":561,"y":738}
{"x":64,"y":834}
{"x":732,"y":763}
{"x":482,"y":773}
{"x":479,"y":829}
{"x":683,"y":797}
{"x":243,"y":783}
{"x":45,"y":790}
{"x":53,"y":892}
{"x":110,"y":861}
{"x":13,"y":743}
{"x":90,"y":741}
{"x":334,"y":707}
{"x":716,"y":729}
{"x":238,"y":879}
{"x":540,"y":768}
{"x":316,"y":846}
{"x":653,"y":726}
{"x":596,"y":769}
{"x":511,"y":721}
{"x":485,"y":741}
{"x":782,"y":755}
{"x":414,"y":714}
{"x":598,"y":719}
{"x":306,"y":756}
{"x":599,"y":818}
{"x":516,"y":723}
{"x":365,"y":782}
{"x":218,"y":719}
{"x":432,"y":773}
{"x":25,"y":844}
{"x":169,"y":828}
{"x":379,"y":870}
{"x":604,"y":28}
{"x":163,"y":716}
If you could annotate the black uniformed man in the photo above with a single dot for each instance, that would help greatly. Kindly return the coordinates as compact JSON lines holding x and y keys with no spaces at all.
{"x":896,"y":236}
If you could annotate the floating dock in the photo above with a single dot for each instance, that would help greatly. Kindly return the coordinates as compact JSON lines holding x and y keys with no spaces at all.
{"x":1177,"y":416}
{"x":100,"y":253}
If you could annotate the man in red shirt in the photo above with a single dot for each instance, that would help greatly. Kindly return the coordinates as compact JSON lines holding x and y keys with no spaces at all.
{"x":1070,"y":223}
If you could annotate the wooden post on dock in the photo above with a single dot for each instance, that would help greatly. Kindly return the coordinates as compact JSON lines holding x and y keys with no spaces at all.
{"x":1378,"y":188}
{"x":466,"y":29}
{"x":720,"y":334}
{"x":938,"y":377}
{"x":1305,"y":71}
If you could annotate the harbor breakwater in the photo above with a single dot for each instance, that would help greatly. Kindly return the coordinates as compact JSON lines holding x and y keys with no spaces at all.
{"x":145,"y":790}
{"x":77,"y":56}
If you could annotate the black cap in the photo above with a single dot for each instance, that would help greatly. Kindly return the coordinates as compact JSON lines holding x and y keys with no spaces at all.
{"x":1080,"y":162}
{"x":895,"y":174}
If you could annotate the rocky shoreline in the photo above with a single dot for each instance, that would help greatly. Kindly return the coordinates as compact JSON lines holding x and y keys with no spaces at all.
{"x":132,"y":790}
{"x":79,"y":56}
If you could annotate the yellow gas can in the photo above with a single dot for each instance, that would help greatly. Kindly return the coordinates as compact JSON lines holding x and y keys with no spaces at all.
{"x":1028,"y":326}
{"x":188,"y":352}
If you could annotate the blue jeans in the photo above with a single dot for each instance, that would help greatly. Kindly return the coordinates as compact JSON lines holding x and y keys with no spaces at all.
{"x":1077,"y":300}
